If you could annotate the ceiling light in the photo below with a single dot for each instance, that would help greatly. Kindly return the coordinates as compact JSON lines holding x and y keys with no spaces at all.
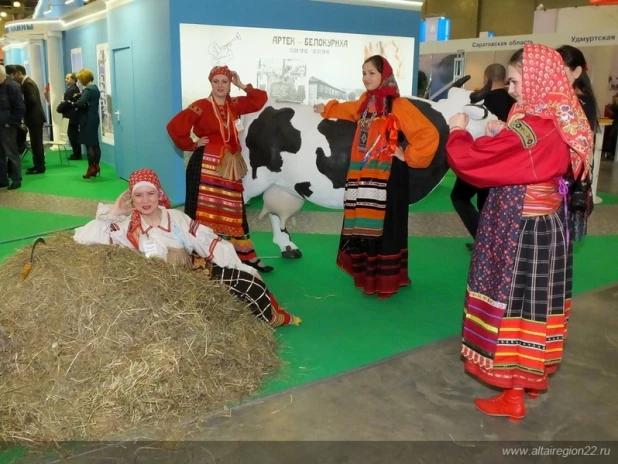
{"x":3,"y":14}
{"x":16,"y":4}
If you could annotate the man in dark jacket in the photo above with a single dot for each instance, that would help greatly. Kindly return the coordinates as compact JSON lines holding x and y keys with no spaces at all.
{"x":498,"y":102}
{"x":69,"y":112}
{"x":34,"y":118}
{"x":12,"y":109}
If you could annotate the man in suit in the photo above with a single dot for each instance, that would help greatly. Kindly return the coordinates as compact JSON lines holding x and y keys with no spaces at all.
{"x":34,"y":118}
{"x":69,"y":112}
{"x":12,"y":109}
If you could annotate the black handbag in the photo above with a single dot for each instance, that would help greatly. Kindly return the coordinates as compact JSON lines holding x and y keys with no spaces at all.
{"x":580,"y":205}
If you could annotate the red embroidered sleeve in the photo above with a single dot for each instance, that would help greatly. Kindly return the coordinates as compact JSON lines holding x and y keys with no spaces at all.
{"x":529,"y":152}
{"x":211,"y":250}
{"x":179,"y":128}
{"x":254,"y":101}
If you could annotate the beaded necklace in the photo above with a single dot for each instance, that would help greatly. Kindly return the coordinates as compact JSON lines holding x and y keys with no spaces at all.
{"x":221,"y":112}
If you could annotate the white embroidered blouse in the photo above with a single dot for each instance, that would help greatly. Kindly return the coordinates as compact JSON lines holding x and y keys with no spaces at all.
{"x":177,"y":230}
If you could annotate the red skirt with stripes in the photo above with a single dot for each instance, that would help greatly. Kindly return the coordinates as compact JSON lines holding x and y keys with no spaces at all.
{"x":519,"y":294}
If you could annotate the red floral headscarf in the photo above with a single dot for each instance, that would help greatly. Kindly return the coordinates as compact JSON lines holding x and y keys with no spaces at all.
{"x":547,"y":93}
{"x":220,"y":70}
{"x":137,"y":179}
{"x":387,"y":88}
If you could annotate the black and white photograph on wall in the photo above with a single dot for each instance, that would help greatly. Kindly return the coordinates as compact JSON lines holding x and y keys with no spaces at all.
{"x":283,"y":79}
{"x":103,"y":74}
{"x":301,"y":66}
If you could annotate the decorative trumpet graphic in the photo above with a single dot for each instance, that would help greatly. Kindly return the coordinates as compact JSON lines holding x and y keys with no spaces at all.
{"x":222,"y":54}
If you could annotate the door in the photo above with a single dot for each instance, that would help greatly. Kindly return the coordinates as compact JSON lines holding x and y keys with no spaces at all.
{"x":124,"y":112}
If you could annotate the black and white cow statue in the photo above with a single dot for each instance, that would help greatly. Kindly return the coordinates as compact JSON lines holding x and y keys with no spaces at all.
{"x":294,"y":155}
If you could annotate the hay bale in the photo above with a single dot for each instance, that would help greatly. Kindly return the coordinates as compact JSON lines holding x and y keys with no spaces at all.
{"x":99,"y":340}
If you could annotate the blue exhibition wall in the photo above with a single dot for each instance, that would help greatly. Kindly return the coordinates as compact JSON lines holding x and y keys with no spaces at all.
{"x":140,"y":30}
{"x":144,"y":27}
{"x":86,"y":37}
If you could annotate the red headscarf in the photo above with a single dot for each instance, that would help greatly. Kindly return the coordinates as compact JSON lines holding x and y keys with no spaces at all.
{"x":220,"y":70}
{"x":387,"y":88}
{"x":547,"y":93}
{"x":137,"y":179}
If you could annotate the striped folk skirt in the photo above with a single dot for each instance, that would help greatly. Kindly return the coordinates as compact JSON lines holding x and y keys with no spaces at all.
{"x":217,"y":203}
{"x":513,"y":336}
{"x":378,"y":263}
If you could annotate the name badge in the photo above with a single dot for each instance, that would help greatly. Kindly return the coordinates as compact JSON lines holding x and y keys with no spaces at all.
{"x":239,"y":125}
{"x":150,"y":248}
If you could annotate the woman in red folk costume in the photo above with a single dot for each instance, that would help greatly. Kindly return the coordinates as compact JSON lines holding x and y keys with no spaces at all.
{"x":517,"y":302}
{"x":214,"y":190}
{"x":141,"y":219}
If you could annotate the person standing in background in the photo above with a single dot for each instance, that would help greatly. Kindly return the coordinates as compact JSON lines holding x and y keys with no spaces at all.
{"x":498,"y":102}
{"x":12,"y":109}
{"x":69,"y":112}
{"x":89,"y":121}
{"x":34,"y":118}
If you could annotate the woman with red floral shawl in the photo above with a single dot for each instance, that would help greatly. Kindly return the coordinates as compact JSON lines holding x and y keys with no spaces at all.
{"x":214,"y":173}
{"x":517,"y":301}
{"x":374,"y":238}
{"x":141,"y":219}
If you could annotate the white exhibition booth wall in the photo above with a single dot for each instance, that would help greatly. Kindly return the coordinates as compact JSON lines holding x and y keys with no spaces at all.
{"x":305,"y":66}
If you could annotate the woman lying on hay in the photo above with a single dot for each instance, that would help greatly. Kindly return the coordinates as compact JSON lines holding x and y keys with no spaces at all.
{"x":140,"y":218}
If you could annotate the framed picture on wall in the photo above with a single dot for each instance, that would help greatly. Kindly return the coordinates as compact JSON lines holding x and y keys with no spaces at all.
{"x":103,"y":74}
{"x":76,"y":60}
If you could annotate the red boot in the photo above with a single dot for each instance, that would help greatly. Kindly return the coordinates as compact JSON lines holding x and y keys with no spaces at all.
{"x":92,"y":171}
{"x":509,"y":403}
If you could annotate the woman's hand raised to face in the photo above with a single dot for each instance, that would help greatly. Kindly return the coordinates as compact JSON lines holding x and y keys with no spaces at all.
{"x":236,"y":81}
{"x":123,"y":205}
{"x":319,"y":108}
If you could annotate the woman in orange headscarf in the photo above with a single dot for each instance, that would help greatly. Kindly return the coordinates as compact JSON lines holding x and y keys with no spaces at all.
{"x":216,"y":168}
{"x":374,"y":239}
{"x":518,"y":295}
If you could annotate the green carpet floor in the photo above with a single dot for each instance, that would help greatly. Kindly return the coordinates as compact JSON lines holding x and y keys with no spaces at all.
{"x":17,"y":223}
{"x":65,"y":179}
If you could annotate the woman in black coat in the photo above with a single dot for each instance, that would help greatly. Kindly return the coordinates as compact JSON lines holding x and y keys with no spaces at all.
{"x":89,"y":121}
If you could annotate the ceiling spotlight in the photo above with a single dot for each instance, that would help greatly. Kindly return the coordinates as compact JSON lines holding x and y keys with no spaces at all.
{"x":3,"y":14}
{"x":16,"y":4}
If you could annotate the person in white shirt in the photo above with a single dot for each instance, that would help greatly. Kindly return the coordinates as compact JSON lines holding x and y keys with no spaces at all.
{"x":141,"y":218}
